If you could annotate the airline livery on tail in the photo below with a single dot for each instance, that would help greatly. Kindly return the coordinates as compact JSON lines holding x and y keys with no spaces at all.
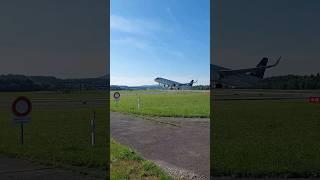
{"x":224,"y":77}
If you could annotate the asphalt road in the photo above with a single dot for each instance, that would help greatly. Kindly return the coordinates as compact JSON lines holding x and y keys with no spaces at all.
{"x":17,"y":169}
{"x":61,"y":101}
{"x":181,"y":146}
{"x":261,"y":94}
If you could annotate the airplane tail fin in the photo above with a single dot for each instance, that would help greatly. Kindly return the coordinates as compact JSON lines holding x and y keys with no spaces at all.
{"x":260,"y":72}
{"x":192,"y":82}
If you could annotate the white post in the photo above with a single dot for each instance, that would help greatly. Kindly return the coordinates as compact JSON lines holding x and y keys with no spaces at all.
{"x":138,"y":103}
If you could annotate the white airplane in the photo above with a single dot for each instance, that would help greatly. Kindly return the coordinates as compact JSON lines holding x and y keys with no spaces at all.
{"x":240,"y":78}
{"x":169,"y":84}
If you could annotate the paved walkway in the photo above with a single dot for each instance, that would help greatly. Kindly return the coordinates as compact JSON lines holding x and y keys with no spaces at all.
{"x":181,"y":146}
{"x":17,"y":169}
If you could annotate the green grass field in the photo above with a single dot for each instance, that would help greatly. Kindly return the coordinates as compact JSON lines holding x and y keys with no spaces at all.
{"x":127,"y":164}
{"x":266,"y":138}
{"x":157,"y":103}
{"x":58,"y":135}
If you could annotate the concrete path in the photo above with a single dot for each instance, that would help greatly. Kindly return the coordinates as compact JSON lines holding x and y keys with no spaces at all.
{"x":17,"y":169}
{"x":181,"y":146}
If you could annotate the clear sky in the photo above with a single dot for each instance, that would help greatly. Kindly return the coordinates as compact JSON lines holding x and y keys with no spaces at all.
{"x":167,"y":38}
{"x":247,"y":30}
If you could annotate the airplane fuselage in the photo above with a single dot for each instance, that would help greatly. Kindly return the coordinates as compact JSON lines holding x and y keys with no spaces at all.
{"x":169,"y":84}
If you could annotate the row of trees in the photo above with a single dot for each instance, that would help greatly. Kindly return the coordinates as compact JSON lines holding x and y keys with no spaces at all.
{"x":201,"y":87}
{"x":291,"y":82}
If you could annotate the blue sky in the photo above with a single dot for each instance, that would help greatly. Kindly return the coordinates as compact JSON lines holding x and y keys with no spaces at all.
{"x":167,"y":38}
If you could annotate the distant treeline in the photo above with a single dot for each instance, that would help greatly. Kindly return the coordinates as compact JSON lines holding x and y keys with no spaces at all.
{"x":291,"y":82}
{"x":48,"y":83}
{"x":115,"y":88}
{"x":144,"y":87}
{"x":152,"y":87}
{"x":201,"y":87}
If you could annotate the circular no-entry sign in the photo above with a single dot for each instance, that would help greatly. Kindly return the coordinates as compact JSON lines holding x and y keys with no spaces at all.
{"x":21,"y":106}
{"x":116,"y":95}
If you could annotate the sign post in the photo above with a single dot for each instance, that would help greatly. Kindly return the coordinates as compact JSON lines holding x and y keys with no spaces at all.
{"x":93,"y":129}
{"x":21,"y":133}
{"x":21,"y":108}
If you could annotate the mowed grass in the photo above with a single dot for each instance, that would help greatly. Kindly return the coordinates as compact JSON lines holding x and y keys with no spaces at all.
{"x":58,"y":134}
{"x":127,"y":164}
{"x":159,"y":103}
{"x":266,"y":138}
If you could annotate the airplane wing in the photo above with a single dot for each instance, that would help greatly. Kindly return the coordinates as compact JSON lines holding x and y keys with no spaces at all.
{"x":248,"y":70}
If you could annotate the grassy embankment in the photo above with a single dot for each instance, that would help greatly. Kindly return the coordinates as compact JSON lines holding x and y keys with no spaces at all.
{"x":127,"y":164}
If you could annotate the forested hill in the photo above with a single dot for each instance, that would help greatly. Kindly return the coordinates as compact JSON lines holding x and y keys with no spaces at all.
{"x":48,"y":83}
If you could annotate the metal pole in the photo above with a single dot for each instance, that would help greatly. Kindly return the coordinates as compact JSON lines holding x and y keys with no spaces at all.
{"x":21,"y":133}
{"x":93,"y":129}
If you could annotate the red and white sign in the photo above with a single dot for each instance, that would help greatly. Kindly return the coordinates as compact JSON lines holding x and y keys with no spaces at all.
{"x":314,"y":99}
{"x":21,"y":106}
{"x":116,"y":95}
